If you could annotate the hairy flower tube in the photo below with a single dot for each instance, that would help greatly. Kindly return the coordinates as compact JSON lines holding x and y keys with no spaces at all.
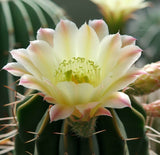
{"x":80,"y":71}
{"x":116,"y":12}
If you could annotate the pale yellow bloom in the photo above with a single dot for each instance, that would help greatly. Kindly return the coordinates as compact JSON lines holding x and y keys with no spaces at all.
{"x":79,"y":71}
{"x":119,"y":10}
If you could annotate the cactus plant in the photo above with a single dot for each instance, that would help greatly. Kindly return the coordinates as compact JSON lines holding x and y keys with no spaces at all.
{"x":77,"y":88}
{"x":117,"y":17}
{"x":124,"y":133}
{"x":19,"y":22}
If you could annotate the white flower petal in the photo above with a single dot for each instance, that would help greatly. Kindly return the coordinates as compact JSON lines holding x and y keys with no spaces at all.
{"x":116,"y":100}
{"x":127,"y":40}
{"x":87,"y":42}
{"x":64,"y":39}
{"x":31,"y":82}
{"x":46,"y":34}
{"x":70,"y":93}
{"x":58,"y":112}
{"x":121,"y":83}
{"x":22,"y":57}
{"x":109,"y":52}
{"x":98,"y":110}
{"x":86,"y":108}
{"x":129,"y":55}
{"x":44,"y":58}
{"x":15,"y":69}
{"x":49,"y":99}
{"x":100,"y":27}
{"x":103,"y":112}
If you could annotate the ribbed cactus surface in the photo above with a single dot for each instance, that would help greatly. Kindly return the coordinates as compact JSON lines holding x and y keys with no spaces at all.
{"x":121,"y":134}
{"x":19,"y":22}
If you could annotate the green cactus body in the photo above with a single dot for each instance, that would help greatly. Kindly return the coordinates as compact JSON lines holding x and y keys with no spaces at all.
{"x":122,"y":134}
{"x":19,"y":22}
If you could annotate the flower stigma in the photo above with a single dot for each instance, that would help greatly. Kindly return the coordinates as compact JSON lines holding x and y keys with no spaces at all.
{"x":78,"y":70}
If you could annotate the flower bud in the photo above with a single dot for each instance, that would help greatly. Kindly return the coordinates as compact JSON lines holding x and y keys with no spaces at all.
{"x":153,"y":109}
{"x":146,"y":83}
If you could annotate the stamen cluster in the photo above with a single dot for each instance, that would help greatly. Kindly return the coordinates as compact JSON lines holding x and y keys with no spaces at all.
{"x":78,"y":70}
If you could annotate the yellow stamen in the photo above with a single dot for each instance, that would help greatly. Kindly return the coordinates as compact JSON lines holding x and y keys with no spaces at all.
{"x":78,"y":70}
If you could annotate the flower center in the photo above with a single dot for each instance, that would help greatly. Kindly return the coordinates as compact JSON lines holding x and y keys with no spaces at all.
{"x":78,"y":70}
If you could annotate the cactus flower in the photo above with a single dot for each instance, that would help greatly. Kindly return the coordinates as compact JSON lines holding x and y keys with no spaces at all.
{"x":78,"y":70}
{"x":116,"y":12}
{"x":120,"y":8}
